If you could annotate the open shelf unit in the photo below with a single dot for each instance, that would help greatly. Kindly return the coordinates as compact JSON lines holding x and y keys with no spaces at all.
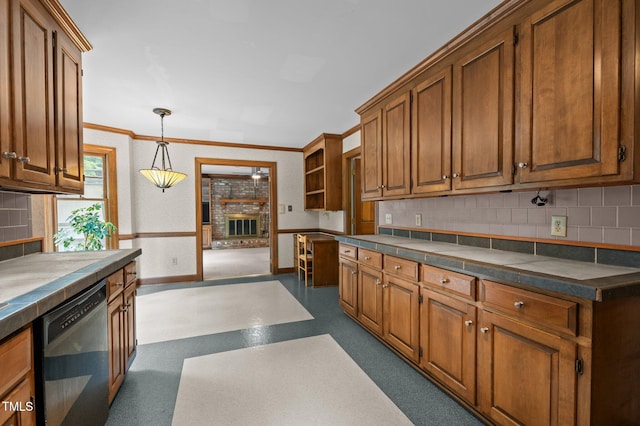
{"x":323,"y":174}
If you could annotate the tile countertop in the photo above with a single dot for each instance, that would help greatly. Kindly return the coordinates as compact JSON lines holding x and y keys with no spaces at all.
{"x":34,"y":284}
{"x":592,"y":281}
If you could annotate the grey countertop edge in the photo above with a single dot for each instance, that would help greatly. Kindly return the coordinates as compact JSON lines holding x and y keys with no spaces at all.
{"x":600,"y":289}
{"x":25,"y":308}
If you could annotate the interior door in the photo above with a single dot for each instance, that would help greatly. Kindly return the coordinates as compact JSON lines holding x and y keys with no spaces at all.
{"x":364,"y":212}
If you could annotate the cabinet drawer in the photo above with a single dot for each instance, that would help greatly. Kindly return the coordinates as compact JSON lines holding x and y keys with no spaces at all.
{"x":115,"y":284}
{"x":452,"y":282}
{"x":15,"y":359}
{"x":558,"y":314}
{"x":130,"y":274}
{"x":401,"y":267}
{"x":370,"y":258}
{"x":348,"y":251}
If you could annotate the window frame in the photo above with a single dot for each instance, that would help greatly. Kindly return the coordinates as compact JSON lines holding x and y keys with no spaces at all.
{"x":111,"y":186}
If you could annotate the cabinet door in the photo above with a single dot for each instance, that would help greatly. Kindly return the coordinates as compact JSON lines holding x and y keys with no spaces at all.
{"x":349,"y":286}
{"x":129,"y":324}
{"x":370,"y":299}
{"x":5,"y":89}
{"x":33,"y":85}
{"x":525,"y":376}
{"x":570,"y":110}
{"x":483,"y":81}
{"x":400,"y":315}
{"x":371,"y":141}
{"x":431,"y":134}
{"x":396,"y":145}
{"x":69,"y":148}
{"x":448,"y":342}
{"x":18,"y":406}
{"x":116,"y":335}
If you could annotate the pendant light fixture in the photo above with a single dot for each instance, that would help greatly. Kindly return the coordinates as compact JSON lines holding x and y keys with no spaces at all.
{"x":163,"y":177}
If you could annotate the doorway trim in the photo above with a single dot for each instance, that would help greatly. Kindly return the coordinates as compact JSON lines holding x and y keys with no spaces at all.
{"x":273,"y":203}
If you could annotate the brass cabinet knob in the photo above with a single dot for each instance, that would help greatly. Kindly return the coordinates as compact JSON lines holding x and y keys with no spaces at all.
{"x":445,"y":177}
{"x":444,"y":280}
{"x":484,"y":330}
{"x":24,"y":159}
{"x":518,"y":304}
{"x":468,"y":323}
{"x":456,"y":175}
{"x":523,"y":165}
{"x":9,"y":155}
{"x":397,"y":267}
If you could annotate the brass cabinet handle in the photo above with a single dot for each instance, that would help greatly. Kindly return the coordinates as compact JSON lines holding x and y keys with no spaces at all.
{"x":120,"y":284}
{"x":397,"y":267}
{"x":444,"y":280}
{"x":9,"y":155}
{"x":385,"y":285}
{"x":484,"y":330}
{"x":468,"y":323}
{"x":518,"y":304}
{"x":367,"y":258}
{"x":62,"y":169}
{"x":354,"y":272}
{"x":24,"y":159}
{"x":378,"y":282}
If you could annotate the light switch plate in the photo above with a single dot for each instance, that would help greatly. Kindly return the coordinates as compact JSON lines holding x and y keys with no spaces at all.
{"x":418,"y":219}
{"x":559,"y":226}
{"x":388,"y":218}
{"x":281,"y":208}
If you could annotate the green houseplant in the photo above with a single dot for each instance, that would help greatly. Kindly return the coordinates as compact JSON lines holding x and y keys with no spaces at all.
{"x":85,"y":221}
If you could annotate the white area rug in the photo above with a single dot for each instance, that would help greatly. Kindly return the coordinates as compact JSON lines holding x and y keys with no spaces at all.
{"x":190,"y":312}
{"x":309,"y":381}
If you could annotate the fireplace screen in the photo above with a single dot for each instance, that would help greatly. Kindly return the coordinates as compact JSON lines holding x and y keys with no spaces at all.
{"x":242,"y":225}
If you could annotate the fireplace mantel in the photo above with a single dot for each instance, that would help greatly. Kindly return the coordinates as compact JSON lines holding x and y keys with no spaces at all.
{"x":225,"y":201}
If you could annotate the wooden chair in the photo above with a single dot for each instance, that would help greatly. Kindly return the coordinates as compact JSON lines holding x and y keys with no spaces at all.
{"x":305,"y":259}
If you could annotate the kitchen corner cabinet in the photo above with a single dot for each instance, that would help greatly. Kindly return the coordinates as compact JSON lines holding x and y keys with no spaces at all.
{"x":386,"y":145}
{"x":323,"y":173}
{"x":40,"y":98}
{"x":17,"y":380}
{"x":121,"y":313}
{"x":571,"y":67}
{"x":483,"y":120}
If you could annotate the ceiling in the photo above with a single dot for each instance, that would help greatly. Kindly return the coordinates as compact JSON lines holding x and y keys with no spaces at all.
{"x":275,"y":73}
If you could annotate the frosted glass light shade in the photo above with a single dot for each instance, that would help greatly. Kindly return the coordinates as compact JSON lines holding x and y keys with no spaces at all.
{"x":163,"y":178}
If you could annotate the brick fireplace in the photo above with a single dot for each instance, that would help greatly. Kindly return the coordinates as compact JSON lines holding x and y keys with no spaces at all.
{"x":239,"y":212}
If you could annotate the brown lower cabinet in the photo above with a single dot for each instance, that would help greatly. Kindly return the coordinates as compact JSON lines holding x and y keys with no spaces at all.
{"x":16,"y":379}
{"x":512,"y":355}
{"x":121,"y":311}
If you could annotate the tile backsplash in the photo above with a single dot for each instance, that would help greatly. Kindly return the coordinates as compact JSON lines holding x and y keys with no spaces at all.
{"x":15,"y":216}
{"x":609,"y":215}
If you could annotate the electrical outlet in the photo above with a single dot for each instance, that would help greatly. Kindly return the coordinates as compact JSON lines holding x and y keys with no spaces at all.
{"x":418,"y":219}
{"x":559,"y":226}
{"x":388,"y":218}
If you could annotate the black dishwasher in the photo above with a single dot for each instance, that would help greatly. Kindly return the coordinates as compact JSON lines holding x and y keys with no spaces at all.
{"x":72,"y":365}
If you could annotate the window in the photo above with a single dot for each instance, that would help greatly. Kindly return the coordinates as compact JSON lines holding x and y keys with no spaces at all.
{"x":99,"y":187}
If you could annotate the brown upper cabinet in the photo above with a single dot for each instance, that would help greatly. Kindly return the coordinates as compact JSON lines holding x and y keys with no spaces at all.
{"x":570,"y":109}
{"x":40,"y":98}
{"x":323,"y":173}
{"x":386,"y":155}
{"x":483,"y":113}
{"x":431,"y":133}
{"x":538,"y":93}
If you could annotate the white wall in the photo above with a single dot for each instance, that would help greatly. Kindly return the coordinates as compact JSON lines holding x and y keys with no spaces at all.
{"x":142,"y":208}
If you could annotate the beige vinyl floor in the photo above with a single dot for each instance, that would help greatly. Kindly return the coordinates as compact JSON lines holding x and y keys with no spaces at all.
{"x":237,"y":262}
